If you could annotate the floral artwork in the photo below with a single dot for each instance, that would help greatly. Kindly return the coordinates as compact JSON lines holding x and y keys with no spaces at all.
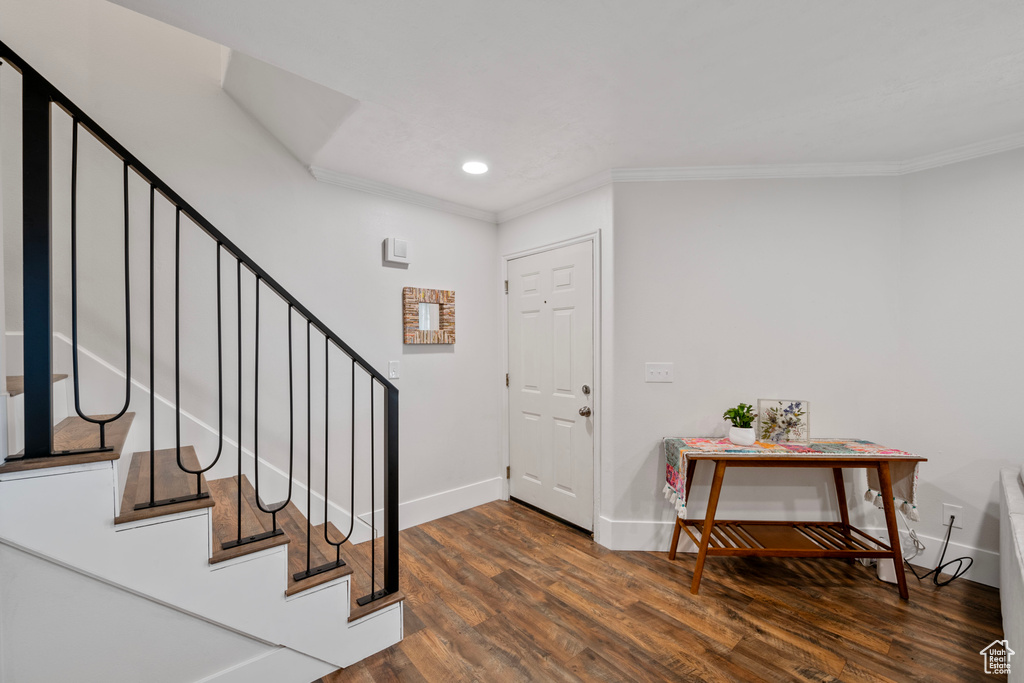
{"x":781,"y":421}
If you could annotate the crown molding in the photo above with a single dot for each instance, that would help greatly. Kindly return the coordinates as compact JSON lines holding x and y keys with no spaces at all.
{"x":668,"y":174}
{"x":393,"y":192}
{"x":963,"y":153}
{"x":754,"y":171}
{"x":567,"y":192}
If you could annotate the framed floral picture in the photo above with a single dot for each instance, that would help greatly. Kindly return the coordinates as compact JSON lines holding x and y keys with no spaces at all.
{"x":781,"y":420}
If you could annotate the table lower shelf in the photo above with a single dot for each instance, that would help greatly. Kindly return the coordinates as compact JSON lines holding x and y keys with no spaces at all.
{"x":786,"y":539}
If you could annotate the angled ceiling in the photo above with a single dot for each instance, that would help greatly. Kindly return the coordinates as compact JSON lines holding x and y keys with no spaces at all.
{"x":549,"y":93}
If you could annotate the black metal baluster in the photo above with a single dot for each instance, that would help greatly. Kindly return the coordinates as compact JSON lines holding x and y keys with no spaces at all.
{"x":152,"y":348}
{"x":327,"y":456}
{"x":75,"y":382}
{"x":374,"y":594}
{"x":338,"y":562}
{"x":238,"y":281}
{"x":256,"y":403}
{"x":309,"y":457}
{"x":274,"y":531}
{"x":199,"y":494}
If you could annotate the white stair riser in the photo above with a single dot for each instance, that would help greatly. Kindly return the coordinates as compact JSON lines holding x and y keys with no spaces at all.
{"x":68,"y":517}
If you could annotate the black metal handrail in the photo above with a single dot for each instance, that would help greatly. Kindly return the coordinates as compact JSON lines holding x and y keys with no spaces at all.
{"x":38,"y":95}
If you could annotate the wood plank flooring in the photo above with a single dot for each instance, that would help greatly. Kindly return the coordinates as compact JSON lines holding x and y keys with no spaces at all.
{"x":502,"y":593}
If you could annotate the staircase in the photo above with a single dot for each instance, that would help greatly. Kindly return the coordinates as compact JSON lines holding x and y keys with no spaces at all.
{"x":119,"y":497}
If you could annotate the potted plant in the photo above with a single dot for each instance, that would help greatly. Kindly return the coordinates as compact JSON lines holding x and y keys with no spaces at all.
{"x":742,"y":418}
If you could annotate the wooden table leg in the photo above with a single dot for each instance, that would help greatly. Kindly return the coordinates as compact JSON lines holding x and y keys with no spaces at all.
{"x":675,"y":539}
{"x":885,"y":480}
{"x":691,"y":466}
{"x":709,"y":522}
{"x":844,"y":512}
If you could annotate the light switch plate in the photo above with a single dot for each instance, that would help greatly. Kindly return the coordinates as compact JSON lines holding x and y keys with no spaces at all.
{"x":393,"y":369}
{"x":658,"y":372}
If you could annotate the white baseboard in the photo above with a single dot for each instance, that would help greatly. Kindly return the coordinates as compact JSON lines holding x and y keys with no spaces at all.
{"x":657,"y":536}
{"x":635,"y":534}
{"x":422,"y":510}
{"x":986,"y":562}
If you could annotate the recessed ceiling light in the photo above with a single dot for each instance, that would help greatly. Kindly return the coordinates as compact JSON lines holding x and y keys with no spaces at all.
{"x":474,"y":167}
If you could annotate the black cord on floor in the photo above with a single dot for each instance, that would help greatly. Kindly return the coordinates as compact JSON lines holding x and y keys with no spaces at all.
{"x":961,"y":570}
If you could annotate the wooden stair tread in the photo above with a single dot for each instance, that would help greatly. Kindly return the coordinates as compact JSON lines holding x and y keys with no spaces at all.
{"x":294,"y":524}
{"x":225,"y":520}
{"x":170,"y":482}
{"x":74,"y":433}
{"x":361,"y":611}
{"x":16,"y":383}
{"x":363,"y":582}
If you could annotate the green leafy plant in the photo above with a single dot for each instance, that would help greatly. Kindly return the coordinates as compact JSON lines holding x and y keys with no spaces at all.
{"x":741,"y":416}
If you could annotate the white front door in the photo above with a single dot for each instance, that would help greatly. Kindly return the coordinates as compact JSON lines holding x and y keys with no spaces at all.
{"x":551,"y":378}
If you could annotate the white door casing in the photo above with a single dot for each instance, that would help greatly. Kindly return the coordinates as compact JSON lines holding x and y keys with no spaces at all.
{"x":551,"y":359}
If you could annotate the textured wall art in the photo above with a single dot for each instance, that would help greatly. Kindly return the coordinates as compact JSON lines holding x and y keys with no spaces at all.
{"x":422,"y":323}
{"x":781,"y":421}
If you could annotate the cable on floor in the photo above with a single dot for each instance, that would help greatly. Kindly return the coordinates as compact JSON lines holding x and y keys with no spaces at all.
{"x":941,"y":566}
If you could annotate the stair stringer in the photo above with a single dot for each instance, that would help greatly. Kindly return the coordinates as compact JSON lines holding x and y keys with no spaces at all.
{"x":130,"y":636}
{"x":66,"y":515}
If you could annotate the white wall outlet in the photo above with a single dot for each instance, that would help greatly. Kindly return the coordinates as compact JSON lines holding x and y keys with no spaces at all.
{"x":957,"y":511}
{"x":392,"y":369}
{"x":658,"y":372}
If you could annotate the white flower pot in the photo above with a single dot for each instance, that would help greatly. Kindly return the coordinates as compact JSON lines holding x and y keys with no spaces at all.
{"x":742,"y":436}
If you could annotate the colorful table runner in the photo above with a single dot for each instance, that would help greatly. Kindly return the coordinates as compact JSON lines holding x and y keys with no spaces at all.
{"x":904,"y":474}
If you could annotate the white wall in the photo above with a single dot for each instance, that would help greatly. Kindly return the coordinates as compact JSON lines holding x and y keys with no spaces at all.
{"x":753,"y":289}
{"x":156,"y":89}
{"x":961,"y":333}
{"x":585,"y":213}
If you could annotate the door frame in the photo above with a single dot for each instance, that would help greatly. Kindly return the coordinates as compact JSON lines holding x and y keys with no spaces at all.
{"x":598,"y":394}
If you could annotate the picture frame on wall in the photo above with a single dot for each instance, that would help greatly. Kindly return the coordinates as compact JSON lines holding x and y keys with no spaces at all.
{"x":428,"y":316}
{"x":783,"y":421}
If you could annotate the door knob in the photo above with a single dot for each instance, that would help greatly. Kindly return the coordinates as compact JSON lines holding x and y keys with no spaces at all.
{"x":585,"y":411}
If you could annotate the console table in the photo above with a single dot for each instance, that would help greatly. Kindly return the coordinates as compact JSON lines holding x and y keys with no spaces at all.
{"x":788,"y":539}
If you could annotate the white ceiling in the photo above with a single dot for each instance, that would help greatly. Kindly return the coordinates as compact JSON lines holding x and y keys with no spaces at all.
{"x":549,"y":92}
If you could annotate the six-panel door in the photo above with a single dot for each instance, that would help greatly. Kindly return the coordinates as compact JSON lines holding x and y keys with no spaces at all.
{"x":550,"y":347}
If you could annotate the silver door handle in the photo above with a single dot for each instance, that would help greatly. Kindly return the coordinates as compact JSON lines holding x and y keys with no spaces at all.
{"x":585,"y":411}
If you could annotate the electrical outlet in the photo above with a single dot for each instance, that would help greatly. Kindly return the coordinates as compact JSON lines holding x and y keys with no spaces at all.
{"x":658,"y":372}
{"x":392,"y":369}
{"x":956,"y":511}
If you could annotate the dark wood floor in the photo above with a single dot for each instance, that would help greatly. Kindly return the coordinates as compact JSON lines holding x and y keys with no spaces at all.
{"x":501,"y":593}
